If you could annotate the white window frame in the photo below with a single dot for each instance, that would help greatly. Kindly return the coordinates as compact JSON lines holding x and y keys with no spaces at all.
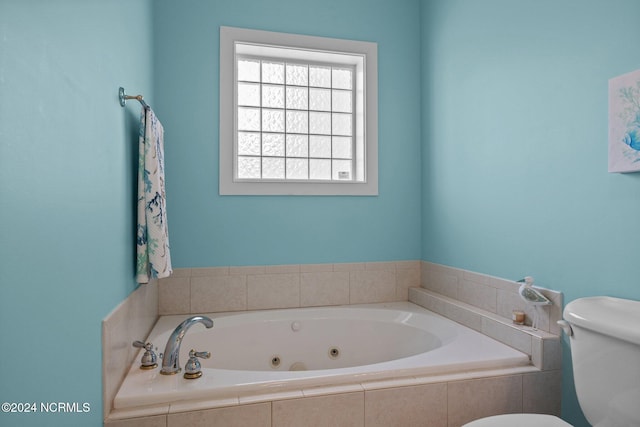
{"x":238,"y":41}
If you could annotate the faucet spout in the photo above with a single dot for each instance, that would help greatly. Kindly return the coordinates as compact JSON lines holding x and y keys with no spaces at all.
{"x":170,"y":362}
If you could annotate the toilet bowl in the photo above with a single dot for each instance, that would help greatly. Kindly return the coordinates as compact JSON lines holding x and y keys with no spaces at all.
{"x":519,"y":420}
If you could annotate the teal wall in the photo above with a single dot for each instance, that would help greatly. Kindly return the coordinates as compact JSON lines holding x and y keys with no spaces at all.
{"x":67,"y":183}
{"x":212,"y":230}
{"x":514,"y":130}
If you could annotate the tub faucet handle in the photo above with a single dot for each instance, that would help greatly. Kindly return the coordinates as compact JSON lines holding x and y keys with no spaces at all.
{"x":193,"y":369}
{"x":200,"y":354}
{"x":149,"y":359}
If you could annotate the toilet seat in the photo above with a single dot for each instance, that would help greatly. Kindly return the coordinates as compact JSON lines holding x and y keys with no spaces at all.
{"x":520,"y":420}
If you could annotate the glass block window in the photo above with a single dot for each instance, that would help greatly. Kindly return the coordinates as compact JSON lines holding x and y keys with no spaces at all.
{"x":298,"y":114}
{"x":295,"y":120}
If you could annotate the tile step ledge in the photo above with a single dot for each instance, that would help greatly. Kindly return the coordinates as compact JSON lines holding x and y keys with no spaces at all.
{"x":543,"y":347}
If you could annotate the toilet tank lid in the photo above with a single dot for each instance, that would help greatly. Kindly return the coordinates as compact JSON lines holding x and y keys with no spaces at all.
{"x":619,"y":318}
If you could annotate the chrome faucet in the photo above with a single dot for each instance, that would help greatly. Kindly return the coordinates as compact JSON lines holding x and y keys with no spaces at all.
{"x":170,"y":362}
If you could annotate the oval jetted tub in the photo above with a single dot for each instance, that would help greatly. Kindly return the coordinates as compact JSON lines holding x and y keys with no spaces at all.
{"x":293,"y":349}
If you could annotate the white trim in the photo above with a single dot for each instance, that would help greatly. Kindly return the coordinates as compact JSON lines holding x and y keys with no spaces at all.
{"x":229,"y":36}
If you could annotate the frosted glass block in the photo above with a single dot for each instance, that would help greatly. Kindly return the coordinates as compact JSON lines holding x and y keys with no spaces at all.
{"x":320,"y":99}
{"x":320,"y":123}
{"x":273,"y":168}
{"x":341,"y":78}
{"x":272,"y":72}
{"x":248,"y":70}
{"x":273,"y":144}
{"x":297,"y":145}
{"x":248,"y":144}
{"x":272,"y":96}
{"x":297,"y":98}
{"x":297,"y":122}
{"x":248,"y":119}
{"x":342,"y":147}
{"x":272,"y":120}
{"x":341,"y":101}
{"x":297,"y":169}
{"x":319,"y":169}
{"x":341,"y":124}
{"x":248,"y":167}
{"x":320,"y":146}
{"x":320,"y":76}
{"x":297,"y":75}
{"x":341,"y":170}
{"x":249,"y":94}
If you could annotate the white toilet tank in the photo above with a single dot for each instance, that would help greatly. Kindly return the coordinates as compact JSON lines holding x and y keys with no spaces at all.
{"x":605,"y":351}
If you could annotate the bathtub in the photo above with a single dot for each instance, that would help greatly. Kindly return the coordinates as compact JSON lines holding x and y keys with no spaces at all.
{"x":267,"y":352}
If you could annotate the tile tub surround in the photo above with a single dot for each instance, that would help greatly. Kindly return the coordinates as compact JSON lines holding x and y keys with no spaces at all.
{"x":221,"y":289}
{"x":544,"y":348}
{"x":491,"y":294}
{"x":446,"y":401}
{"x":131,"y":320}
{"x":476,"y":300}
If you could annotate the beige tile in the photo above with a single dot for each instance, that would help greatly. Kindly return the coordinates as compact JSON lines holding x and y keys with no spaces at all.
{"x":446,"y":270}
{"x":200,"y":405}
{"x":509,"y":301}
{"x":266,"y":291}
{"x":473,"y":399}
{"x":408,"y":265}
{"x":218,"y":293}
{"x":139,"y":412}
{"x":504,"y":284}
{"x":145,"y":308}
{"x":259,"y":269}
{"x":155,"y":421}
{"x":180,"y":272}
{"x":537,"y":352}
{"x":331,"y":389}
{"x":482,"y":279}
{"x":315,"y":268}
{"x":345,"y":410}
{"x":461,"y":315}
{"x":372,"y":286}
{"x":405,"y":279}
{"x":391,"y":266}
{"x":424,"y":405}
{"x":324,"y":288}
{"x":478,"y":295}
{"x":117,"y":354}
{"x":174,"y":296}
{"x":348,"y":266}
{"x":131,"y":320}
{"x":443,"y":282}
{"x":546,"y":354}
{"x":424,"y":274}
{"x":418,"y":296}
{"x":542,"y":392}
{"x":279,"y":269}
{"x":392,"y":383}
{"x":511,"y":336}
{"x":235,"y":416}
{"x":555,"y":312}
{"x":265,"y":396}
{"x":209,"y":271}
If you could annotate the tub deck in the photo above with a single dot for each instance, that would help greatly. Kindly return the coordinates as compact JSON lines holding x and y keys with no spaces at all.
{"x":463,"y":354}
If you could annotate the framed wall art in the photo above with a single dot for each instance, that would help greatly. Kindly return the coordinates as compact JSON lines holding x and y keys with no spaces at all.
{"x":624,"y":123}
